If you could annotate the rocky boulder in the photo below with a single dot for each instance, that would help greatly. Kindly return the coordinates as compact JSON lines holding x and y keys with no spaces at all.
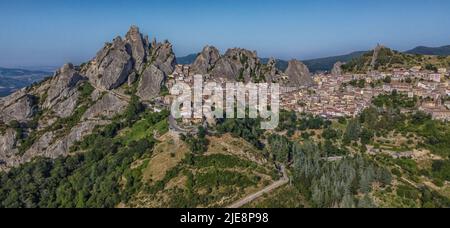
{"x":163,"y":57}
{"x":139,"y":47}
{"x":7,"y":144}
{"x":151,"y":82}
{"x":376,"y":52}
{"x":62,"y":95}
{"x":271,"y":72}
{"x":22,"y":109}
{"x":337,"y":69}
{"x":206,"y":60}
{"x":49,"y":148}
{"x":105,"y":108}
{"x":112,"y":65}
{"x":238,"y":65}
{"x":298,"y":74}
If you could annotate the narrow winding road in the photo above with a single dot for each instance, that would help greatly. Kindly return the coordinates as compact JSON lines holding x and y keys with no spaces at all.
{"x":248,"y":199}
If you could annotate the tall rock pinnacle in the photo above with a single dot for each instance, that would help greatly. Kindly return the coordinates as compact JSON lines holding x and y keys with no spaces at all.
{"x":298,"y":74}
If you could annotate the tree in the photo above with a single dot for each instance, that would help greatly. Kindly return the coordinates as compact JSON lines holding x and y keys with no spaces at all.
{"x":366,"y":202}
{"x":331,"y":134}
{"x":366,"y":180}
{"x":366,"y":136}
{"x":347,"y":201}
{"x":352,"y":132}
{"x":280,"y":148}
{"x":385,"y":177}
{"x":362,"y":83}
{"x":431,"y":67}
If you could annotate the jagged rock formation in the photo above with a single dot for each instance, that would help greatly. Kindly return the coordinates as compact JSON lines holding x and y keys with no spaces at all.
{"x":64,"y":109}
{"x":271,"y":70}
{"x":62,"y":95}
{"x":151,"y":82}
{"x":52,"y":145}
{"x":298,"y":74}
{"x":376,"y":52}
{"x":105,"y":108}
{"x":7,"y":144}
{"x":139,"y":47}
{"x":163,"y":57}
{"x":243,"y":65}
{"x":238,"y":65}
{"x":337,"y":69}
{"x":235,"y":65}
{"x":111,"y":66}
{"x":53,"y":115}
{"x":206,"y":60}
{"x":20,"y":109}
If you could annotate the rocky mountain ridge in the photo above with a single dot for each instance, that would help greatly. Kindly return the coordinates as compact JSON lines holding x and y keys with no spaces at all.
{"x":239,"y":64}
{"x":47,"y":119}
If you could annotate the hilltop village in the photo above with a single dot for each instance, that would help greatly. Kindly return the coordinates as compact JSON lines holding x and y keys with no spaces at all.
{"x":338,"y":94}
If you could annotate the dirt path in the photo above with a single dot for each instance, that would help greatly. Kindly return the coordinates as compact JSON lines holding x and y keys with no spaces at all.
{"x":248,"y":199}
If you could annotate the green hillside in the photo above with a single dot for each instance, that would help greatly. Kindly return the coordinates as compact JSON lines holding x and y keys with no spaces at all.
{"x":422,"y":50}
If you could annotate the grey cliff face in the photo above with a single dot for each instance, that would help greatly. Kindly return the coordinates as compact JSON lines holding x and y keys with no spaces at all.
{"x":49,"y":146}
{"x":62,"y":95}
{"x":105,"y":108}
{"x":376,"y":52}
{"x":206,"y":60}
{"x":21,"y":110}
{"x":111,"y":66}
{"x":272,"y":74}
{"x":163,"y":57}
{"x":151,"y":82}
{"x":161,"y":64}
{"x":7,"y":144}
{"x":298,"y":74}
{"x":139,"y":47}
{"x":238,"y":65}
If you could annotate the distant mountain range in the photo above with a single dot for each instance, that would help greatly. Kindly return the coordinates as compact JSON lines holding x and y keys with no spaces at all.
{"x":422,"y":50}
{"x":14,"y":79}
{"x":326,"y":64}
{"x":186,"y":60}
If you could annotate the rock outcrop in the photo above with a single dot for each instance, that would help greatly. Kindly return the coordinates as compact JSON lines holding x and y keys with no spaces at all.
{"x":272,"y":73}
{"x":62,"y":95}
{"x":151,"y":82}
{"x":376,"y":52}
{"x":112,"y":65}
{"x":298,"y":74}
{"x":163,"y":57}
{"x":130,"y":60}
{"x":22,"y":109}
{"x":52,"y":146}
{"x":139,"y":47}
{"x":206,"y":60}
{"x":238,"y":65}
{"x":140,"y":66}
{"x":105,"y":108}
{"x":7,"y":145}
{"x":337,"y":69}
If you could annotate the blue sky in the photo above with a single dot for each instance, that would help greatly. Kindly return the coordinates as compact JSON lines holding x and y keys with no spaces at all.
{"x":52,"y":32}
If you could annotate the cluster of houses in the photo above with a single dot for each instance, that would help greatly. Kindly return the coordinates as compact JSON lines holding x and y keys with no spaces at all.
{"x":333,"y":96}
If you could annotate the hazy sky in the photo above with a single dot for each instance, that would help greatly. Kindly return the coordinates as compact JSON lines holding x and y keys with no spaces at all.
{"x":52,"y":32}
